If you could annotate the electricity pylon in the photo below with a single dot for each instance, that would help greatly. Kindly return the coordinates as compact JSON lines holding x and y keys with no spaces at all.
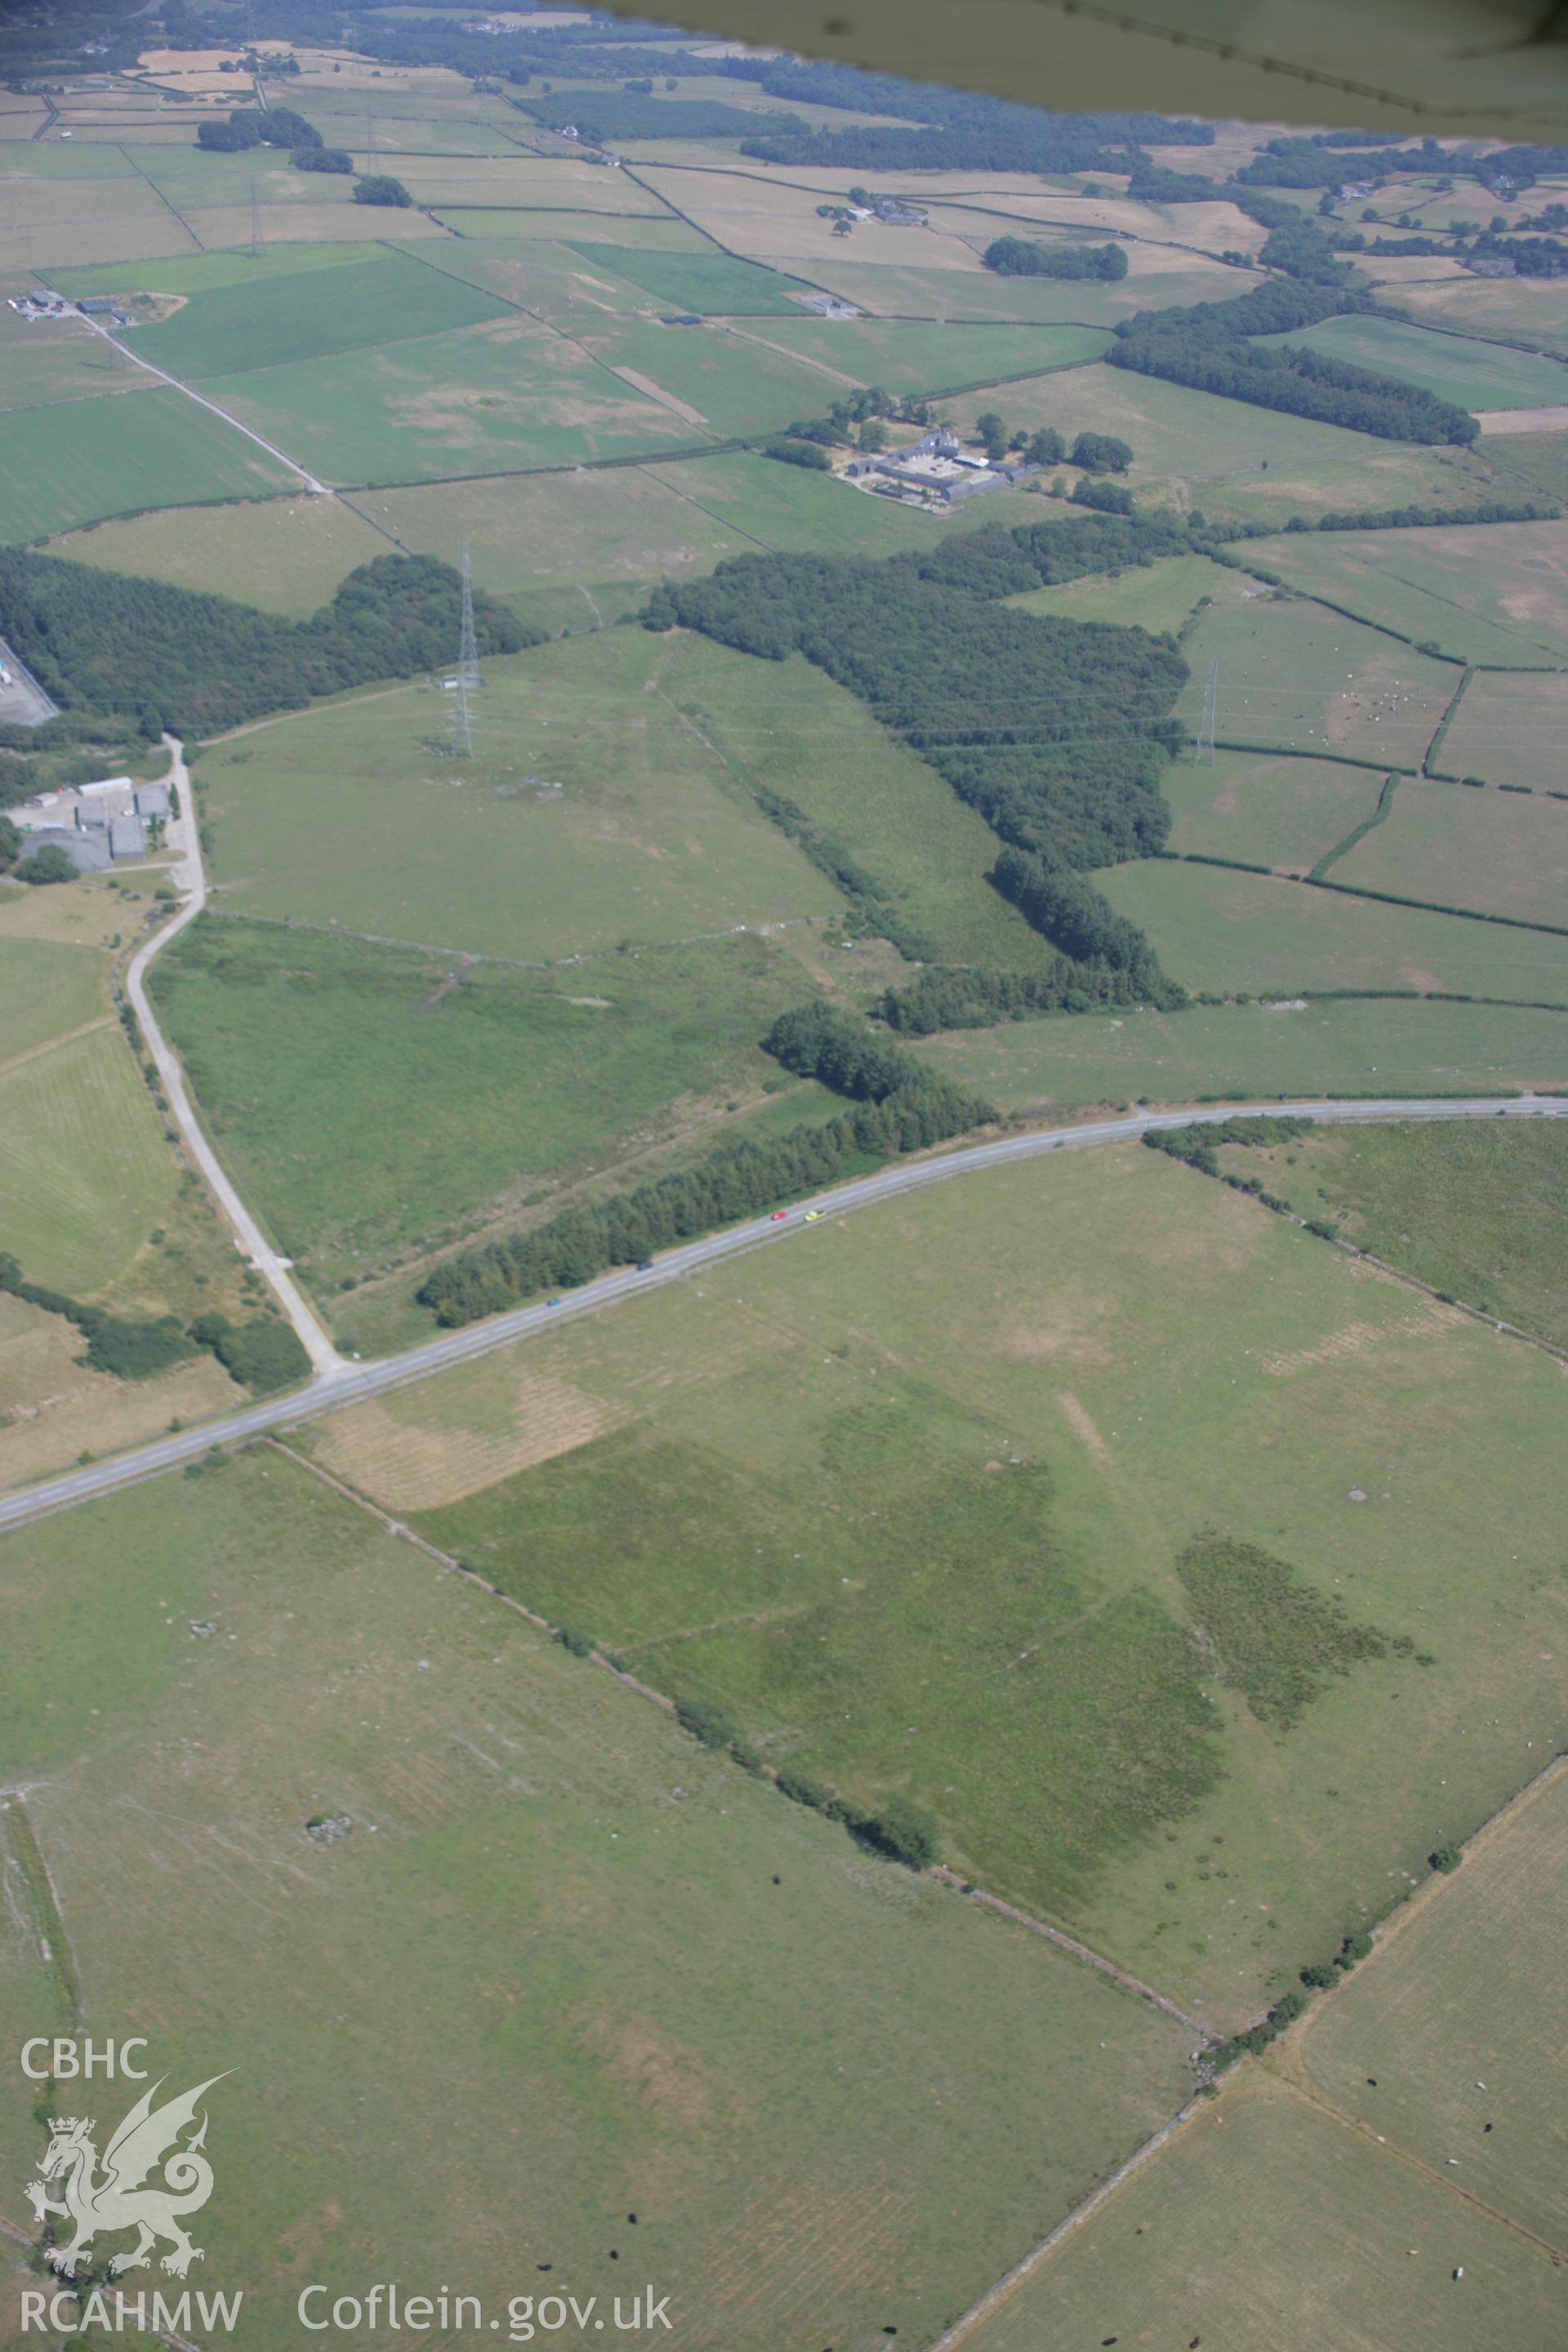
{"x":1204,"y":749}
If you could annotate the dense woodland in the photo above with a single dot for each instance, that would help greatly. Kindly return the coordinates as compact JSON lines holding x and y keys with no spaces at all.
{"x":1206,"y":346}
{"x":978,"y":996}
{"x":1066,"y":910}
{"x":1020,"y":257}
{"x":1055,"y":731}
{"x":99,"y":642}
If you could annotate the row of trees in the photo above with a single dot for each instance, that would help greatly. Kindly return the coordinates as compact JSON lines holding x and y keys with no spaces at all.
{"x":734,"y":1181}
{"x":101,"y":643}
{"x":1055,"y":731}
{"x":263,"y":1353}
{"x":1207,"y":345}
{"x":1069,"y":912}
{"x":1020,"y":257}
{"x":983,"y":997}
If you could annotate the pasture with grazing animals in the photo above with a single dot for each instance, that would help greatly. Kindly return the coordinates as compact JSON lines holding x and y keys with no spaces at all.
{"x":533,"y":1856}
{"x":1448,"y":2047}
{"x":1344,"y":2245}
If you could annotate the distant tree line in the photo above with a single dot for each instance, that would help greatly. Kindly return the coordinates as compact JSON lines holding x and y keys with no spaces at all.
{"x":967,"y":132}
{"x":1206,"y":346}
{"x":99,"y":642}
{"x":1019,"y":256}
{"x":612,"y":116}
{"x":733,"y":1181}
{"x":1533,"y":257}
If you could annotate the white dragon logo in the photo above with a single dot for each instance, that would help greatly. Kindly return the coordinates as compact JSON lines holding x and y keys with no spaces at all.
{"x":144,"y":2141}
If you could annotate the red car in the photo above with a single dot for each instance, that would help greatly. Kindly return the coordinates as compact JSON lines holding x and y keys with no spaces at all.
{"x":778,"y":1214}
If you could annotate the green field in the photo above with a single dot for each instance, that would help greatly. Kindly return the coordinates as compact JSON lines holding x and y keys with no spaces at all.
{"x":1155,"y":596}
{"x":651,"y":232}
{"x":1264,"y":809}
{"x":901,"y":290}
{"x":787,"y":727}
{"x":49,"y":987}
{"x":734,"y":382}
{"x":1475,"y":1210}
{"x":698,"y":281}
{"x":1320,"y":1047}
{"x":286,"y":555}
{"x":47,"y":361}
{"x":534,"y":1859}
{"x":192,"y":274}
{"x":791,"y":510}
{"x":1227,"y":458}
{"x":1524,"y":310}
{"x":648,"y":842}
{"x":921,"y":1517}
{"x":1491,"y":592}
{"x":1451,"y":2046}
{"x":310,"y":314}
{"x":84,"y":1172}
{"x":1508,"y":730}
{"x":478,"y":400}
{"x":568,"y":550}
{"x":1231,"y":932}
{"x":1294,"y":675}
{"x":1503,"y":853}
{"x":60,"y":468}
{"x":1455,"y":367}
{"x":1267,"y":2226}
{"x":374,"y":1102}
{"x":910,"y":356}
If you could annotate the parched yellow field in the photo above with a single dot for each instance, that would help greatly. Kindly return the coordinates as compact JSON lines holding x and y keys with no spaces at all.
{"x":53,"y":1409}
{"x":757,"y":215}
{"x":394,"y":1448}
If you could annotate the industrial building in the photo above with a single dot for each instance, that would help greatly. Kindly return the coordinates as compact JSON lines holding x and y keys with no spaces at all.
{"x":95,"y":825}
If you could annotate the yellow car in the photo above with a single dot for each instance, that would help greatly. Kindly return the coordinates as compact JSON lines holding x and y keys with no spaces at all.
{"x":812,"y":1215}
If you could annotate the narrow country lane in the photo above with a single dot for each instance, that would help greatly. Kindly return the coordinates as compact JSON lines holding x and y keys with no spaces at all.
{"x":190,"y":876}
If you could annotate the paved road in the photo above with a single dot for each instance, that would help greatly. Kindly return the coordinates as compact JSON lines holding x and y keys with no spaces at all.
{"x":319,"y":489}
{"x":340,"y":1383}
{"x":190,"y":876}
